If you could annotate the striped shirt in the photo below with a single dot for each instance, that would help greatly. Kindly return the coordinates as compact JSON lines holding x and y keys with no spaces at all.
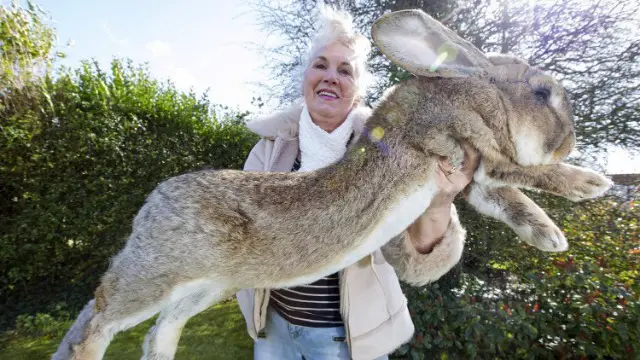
{"x":313,"y":305}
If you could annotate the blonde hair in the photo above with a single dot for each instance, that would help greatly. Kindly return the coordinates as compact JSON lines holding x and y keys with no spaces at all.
{"x":337,"y":26}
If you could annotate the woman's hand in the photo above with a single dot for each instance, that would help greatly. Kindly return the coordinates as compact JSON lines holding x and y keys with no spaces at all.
{"x":451,"y":180}
{"x":428,"y":230}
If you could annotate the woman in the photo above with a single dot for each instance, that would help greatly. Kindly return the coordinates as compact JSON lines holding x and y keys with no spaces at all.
{"x":360,"y":312}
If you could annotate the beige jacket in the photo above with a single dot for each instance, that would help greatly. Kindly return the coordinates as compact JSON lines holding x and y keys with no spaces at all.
{"x":373,"y":307}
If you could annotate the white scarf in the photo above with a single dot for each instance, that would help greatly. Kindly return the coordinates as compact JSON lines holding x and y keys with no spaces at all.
{"x":319,"y":148}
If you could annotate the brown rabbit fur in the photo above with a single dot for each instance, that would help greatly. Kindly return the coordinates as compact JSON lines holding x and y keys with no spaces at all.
{"x":202,"y":236}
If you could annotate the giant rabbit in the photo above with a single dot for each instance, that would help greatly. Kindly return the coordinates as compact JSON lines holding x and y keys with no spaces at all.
{"x":202,"y":236}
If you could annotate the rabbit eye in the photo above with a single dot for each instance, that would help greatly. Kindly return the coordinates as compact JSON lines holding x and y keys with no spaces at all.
{"x":542,"y":95}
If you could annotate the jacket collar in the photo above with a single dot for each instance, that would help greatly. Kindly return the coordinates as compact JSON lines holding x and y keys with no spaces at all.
{"x":284,"y":123}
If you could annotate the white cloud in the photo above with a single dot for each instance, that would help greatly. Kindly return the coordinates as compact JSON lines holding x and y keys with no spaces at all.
{"x":158,"y":48}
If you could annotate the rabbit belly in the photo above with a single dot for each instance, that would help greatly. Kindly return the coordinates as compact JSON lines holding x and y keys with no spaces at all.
{"x":397,"y":218}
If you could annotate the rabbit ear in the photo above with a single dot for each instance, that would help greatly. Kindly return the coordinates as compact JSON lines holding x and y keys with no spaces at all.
{"x":423,"y":46}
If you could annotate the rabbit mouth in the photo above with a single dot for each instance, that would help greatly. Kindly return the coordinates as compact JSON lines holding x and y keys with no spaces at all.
{"x":565,"y":148}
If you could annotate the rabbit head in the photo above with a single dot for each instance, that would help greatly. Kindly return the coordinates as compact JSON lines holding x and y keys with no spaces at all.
{"x":540,"y":116}
{"x":526,"y":110}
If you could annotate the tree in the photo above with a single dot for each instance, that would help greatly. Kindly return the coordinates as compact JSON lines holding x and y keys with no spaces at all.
{"x":593,"y":48}
{"x":26,"y":42}
{"x":293,"y":22}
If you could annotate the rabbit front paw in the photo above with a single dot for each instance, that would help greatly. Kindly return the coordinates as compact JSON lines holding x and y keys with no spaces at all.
{"x":586,"y":184}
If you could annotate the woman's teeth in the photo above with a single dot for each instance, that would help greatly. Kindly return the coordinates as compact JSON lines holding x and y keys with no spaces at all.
{"x":326,"y":93}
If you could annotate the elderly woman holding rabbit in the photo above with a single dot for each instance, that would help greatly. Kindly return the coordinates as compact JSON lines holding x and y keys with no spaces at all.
{"x":359,"y":312}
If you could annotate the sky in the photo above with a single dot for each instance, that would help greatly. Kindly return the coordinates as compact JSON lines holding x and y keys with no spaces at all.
{"x":204,"y":45}
{"x":198,"y":44}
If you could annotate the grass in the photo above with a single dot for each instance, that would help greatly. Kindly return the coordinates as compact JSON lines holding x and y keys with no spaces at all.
{"x":217,"y":333}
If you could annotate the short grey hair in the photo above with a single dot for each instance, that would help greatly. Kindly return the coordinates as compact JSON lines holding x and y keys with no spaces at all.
{"x":337,"y":26}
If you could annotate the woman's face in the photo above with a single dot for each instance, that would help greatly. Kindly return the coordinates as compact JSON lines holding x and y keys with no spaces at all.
{"x":329,"y":86}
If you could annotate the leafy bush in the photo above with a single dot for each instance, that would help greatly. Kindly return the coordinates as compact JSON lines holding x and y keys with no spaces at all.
{"x":79,"y":158}
{"x":80,"y":152}
{"x":40,"y":325}
{"x":508,"y":300}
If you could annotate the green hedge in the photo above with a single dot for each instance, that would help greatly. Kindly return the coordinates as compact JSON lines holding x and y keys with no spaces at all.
{"x":80,"y":152}
{"x":507,"y":300}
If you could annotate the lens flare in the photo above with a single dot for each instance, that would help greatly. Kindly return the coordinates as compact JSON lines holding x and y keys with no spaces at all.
{"x":377,"y":133}
{"x":446,"y":53}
